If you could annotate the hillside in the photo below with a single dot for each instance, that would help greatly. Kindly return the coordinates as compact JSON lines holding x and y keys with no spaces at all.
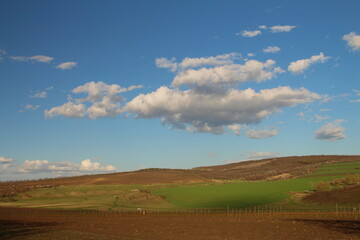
{"x":266,"y":169}
{"x":272,"y":168}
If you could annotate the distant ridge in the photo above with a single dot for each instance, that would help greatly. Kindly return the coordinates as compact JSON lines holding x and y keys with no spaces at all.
{"x":266,"y":169}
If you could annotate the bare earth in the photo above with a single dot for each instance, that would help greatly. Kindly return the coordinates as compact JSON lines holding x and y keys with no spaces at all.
{"x":28,"y":224}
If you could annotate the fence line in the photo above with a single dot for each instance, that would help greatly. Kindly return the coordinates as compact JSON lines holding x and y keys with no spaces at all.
{"x":336,"y":212}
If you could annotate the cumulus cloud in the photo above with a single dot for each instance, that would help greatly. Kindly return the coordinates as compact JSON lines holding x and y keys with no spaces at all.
{"x":255,"y":155}
{"x":353,"y":40}
{"x":260,"y":134}
{"x":101,"y":100}
{"x":281,"y":28}
{"x":251,"y":70}
{"x":331,"y":132}
{"x":263,"y":27}
{"x":199,"y":112}
{"x":166,"y":63}
{"x":300,"y":66}
{"x":4,"y":160}
{"x":67,"y":65}
{"x":188,"y":62}
{"x":37,"y":58}
{"x":249,"y":34}
{"x":69,"y":109}
{"x":271,"y":49}
{"x":36,"y":166}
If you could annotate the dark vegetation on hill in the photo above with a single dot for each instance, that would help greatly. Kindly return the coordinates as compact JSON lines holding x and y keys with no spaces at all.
{"x":347,"y":195}
{"x":270,"y":169}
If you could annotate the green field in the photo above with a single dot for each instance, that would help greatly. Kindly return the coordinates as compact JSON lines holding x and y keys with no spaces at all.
{"x":235,"y":194}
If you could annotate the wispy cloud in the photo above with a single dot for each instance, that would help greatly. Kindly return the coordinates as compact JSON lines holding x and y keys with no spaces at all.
{"x":249,"y":34}
{"x":260,"y":134}
{"x":67,"y":65}
{"x":41,"y":94}
{"x":31,"y":107}
{"x":37,"y":58}
{"x":2,"y":54}
{"x":281,"y":28}
{"x":271,"y":49}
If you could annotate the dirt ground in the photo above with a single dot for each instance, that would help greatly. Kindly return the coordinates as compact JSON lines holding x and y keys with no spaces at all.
{"x":32,"y":224}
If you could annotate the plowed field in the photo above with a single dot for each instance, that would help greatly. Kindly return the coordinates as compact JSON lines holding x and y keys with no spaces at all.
{"x":28,"y":224}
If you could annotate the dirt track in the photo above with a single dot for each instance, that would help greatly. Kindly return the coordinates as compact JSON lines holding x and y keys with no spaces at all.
{"x":27,"y":224}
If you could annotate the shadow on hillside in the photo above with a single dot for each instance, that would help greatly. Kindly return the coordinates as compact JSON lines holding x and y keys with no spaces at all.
{"x":10,"y":229}
{"x":343,"y":226}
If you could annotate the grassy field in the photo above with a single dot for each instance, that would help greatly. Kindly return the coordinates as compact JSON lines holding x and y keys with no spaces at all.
{"x":230,"y":194}
{"x":91,"y":197}
{"x":247,"y":194}
{"x":237,"y":195}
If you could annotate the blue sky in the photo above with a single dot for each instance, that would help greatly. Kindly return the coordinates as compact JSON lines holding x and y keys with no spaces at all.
{"x":103,"y":86}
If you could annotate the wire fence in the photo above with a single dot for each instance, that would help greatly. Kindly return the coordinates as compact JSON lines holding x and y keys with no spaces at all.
{"x":336,"y":213}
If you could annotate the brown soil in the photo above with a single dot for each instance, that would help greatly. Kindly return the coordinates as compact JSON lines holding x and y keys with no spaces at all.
{"x":28,"y":224}
{"x":344,"y":196}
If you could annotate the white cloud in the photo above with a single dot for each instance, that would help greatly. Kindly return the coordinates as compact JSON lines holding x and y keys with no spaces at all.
{"x":320,"y":118}
{"x":331,"y":132}
{"x":235,"y":128}
{"x":101,"y":100}
{"x":87,"y":165}
{"x":199,"y":112}
{"x":4,"y":160}
{"x":251,"y":70}
{"x":66,"y":65}
{"x":251,"y":55}
{"x":31,"y":107}
{"x":188,"y":62}
{"x":271,"y":49}
{"x":37,"y":58}
{"x":42,"y":94}
{"x":353,"y":40}
{"x":166,"y":63}
{"x":301,"y":114}
{"x":254,"y":155}
{"x":2,"y":54}
{"x":281,"y":28}
{"x":246,"y":33}
{"x":263,"y":27}
{"x":300,"y":66}
{"x":69,"y":109}
{"x":260,"y":134}
{"x":218,"y":60}
{"x":36,"y":166}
